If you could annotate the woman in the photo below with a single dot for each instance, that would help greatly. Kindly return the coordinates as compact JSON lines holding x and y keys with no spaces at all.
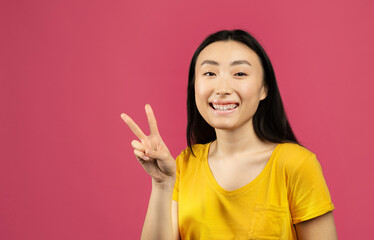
{"x":244,"y":175}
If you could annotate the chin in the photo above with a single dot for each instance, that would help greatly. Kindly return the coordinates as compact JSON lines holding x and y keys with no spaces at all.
{"x":229,"y":124}
{"x":225,"y":127}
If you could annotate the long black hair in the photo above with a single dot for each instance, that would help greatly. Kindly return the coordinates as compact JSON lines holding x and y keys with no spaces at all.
{"x":269,"y":122}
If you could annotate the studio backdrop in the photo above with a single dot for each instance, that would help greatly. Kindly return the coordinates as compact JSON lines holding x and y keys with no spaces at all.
{"x":68,"y":69}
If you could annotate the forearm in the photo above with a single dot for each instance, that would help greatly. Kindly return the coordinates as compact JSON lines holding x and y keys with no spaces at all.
{"x":158,"y":221}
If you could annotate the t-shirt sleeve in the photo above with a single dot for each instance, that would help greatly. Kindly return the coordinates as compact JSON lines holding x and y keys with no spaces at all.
{"x":308,"y":194}
{"x":178,"y":162}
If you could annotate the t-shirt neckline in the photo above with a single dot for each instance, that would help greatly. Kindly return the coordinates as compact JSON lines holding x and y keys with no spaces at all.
{"x":246,"y":187}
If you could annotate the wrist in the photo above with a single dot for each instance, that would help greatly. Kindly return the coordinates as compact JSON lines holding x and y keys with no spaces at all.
{"x":167,"y":185}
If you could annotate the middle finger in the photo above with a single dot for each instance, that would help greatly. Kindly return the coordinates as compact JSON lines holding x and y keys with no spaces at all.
{"x":151,"y":120}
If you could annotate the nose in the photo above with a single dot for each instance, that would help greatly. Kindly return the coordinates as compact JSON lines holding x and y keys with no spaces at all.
{"x":223,"y":87}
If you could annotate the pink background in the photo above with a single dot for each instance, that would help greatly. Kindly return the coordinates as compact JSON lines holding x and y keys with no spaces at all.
{"x":70,"y":68}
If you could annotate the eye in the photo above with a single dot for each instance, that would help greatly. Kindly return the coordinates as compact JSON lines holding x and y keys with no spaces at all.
{"x":205,"y":74}
{"x":241,"y":74}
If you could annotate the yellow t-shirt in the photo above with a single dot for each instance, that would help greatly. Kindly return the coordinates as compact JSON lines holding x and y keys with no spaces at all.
{"x":290,"y":189}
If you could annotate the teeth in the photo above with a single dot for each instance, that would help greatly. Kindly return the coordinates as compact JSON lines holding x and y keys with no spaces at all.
{"x":226,"y":107}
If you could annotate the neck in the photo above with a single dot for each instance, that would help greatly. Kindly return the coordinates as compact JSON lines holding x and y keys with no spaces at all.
{"x":242,"y":140}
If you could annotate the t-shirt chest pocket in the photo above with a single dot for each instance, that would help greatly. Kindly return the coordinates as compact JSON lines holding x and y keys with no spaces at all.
{"x":268,"y":222}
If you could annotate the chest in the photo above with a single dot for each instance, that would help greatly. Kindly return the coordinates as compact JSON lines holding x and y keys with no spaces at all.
{"x":244,"y":209}
{"x":235,"y":174}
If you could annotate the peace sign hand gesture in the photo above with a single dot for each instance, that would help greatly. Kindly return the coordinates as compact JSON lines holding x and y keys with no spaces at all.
{"x":151,"y":151}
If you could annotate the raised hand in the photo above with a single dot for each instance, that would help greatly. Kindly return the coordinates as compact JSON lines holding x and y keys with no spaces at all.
{"x":151,"y":151}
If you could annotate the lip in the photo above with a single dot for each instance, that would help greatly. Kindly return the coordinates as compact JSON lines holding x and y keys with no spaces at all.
{"x":223,"y":102}
{"x":218,"y":112}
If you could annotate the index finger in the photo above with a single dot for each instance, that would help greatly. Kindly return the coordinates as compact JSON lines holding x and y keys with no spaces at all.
{"x":151,"y":120}
{"x":133,"y":126}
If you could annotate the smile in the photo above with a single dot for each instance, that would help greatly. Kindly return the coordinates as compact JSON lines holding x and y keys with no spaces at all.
{"x":225,"y":107}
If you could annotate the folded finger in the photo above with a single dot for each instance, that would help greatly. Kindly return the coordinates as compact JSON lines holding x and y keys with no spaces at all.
{"x":140,"y":154}
{"x":138,"y":145}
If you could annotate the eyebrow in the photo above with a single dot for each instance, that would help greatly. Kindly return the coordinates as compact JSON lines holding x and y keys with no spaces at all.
{"x":237,"y":62}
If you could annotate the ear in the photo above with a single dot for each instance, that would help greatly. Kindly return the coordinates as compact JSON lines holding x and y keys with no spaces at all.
{"x":264,"y":91}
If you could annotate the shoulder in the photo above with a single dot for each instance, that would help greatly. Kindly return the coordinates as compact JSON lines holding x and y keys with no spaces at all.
{"x":295,"y":150}
{"x":197,"y":149}
{"x":294,"y":157}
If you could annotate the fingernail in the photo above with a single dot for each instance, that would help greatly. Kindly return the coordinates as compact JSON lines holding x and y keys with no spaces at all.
{"x":146,"y":158}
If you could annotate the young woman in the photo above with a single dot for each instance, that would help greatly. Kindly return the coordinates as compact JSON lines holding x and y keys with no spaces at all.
{"x":243,"y":175}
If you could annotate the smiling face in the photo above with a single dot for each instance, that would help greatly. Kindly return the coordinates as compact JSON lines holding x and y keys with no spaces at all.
{"x":228,"y":84}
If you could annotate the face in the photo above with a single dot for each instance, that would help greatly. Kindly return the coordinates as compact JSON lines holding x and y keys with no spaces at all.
{"x":228,"y":84}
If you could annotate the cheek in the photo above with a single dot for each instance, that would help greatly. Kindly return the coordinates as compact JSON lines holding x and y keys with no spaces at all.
{"x":201,"y":93}
{"x":249,"y":94}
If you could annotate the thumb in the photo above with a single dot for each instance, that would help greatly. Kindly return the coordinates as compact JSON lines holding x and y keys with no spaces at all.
{"x":160,"y":155}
